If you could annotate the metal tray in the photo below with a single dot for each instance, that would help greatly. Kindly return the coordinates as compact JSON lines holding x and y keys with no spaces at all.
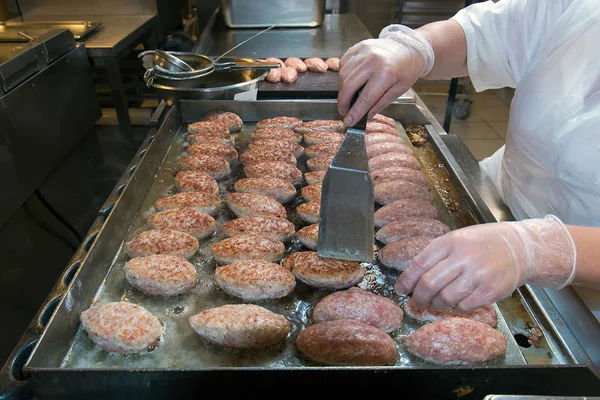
{"x":9,"y":30}
{"x":285,"y":13}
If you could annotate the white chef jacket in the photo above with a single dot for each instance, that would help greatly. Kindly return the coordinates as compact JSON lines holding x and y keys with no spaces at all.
{"x":549,"y":50}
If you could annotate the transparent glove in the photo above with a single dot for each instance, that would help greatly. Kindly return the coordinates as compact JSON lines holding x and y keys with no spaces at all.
{"x":481,"y":264}
{"x":387,"y":67}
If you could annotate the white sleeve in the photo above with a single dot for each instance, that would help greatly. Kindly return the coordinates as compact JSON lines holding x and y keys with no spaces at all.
{"x":503,"y":37}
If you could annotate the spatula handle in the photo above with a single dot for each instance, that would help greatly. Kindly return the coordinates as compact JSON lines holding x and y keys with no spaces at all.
{"x":362,"y":123}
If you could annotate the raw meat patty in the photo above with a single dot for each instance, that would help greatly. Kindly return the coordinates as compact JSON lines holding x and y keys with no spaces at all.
{"x":399,"y":255}
{"x":485,"y":314}
{"x":162,"y":241}
{"x":296,"y":63}
{"x":255,"y":280}
{"x":275,"y":60}
{"x":216,"y":167}
{"x":456,"y":341}
{"x":319,"y":163}
{"x":161,"y":275}
{"x":401,"y":209}
{"x":374,"y":138}
{"x":321,"y":125}
{"x":279,"y":189}
{"x":187,"y":220}
{"x":311,"y":211}
{"x":322,"y":149}
{"x":393,"y":160}
{"x":260,"y":155}
{"x":410,"y":227}
{"x":206,"y":203}
{"x":217,"y":149}
{"x":382,"y":119}
{"x":399,"y":174}
{"x":312,"y":138}
{"x":196,"y":181}
{"x":247,"y":247}
{"x":378,"y":149}
{"x":309,"y":236}
{"x":277,"y":133}
{"x":278,"y":228}
{"x":240,"y":326}
{"x":333,"y":64}
{"x":283,"y":145}
{"x":315,"y":177}
{"x":289,"y":74}
{"x":347,"y":342}
{"x":324,"y":273}
{"x":278,"y":122}
{"x":312,"y":192}
{"x":121,"y":327}
{"x":366,"y":307}
{"x":388,"y":192}
{"x":209,"y":127}
{"x":231,"y":120}
{"x":250,"y":204}
{"x":315,"y":64}
{"x":279,"y":170}
{"x":274,"y":75}
{"x":376,"y":127}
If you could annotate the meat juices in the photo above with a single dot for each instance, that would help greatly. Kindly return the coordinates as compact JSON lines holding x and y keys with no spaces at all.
{"x":312,"y":138}
{"x":326,"y":149}
{"x":259,"y":155}
{"x":240,"y":326}
{"x":311,"y":211}
{"x":215,"y":167}
{"x":485,"y":314}
{"x":289,"y":74}
{"x":393,"y":160}
{"x":187,"y":220}
{"x":278,"y":122}
{"x":347,"y":342}
{"x":233,"y":122}
{"x":374,"y":138}
{"x":376,"y":127}
{"x":162,"y":241}
{"x":388,"y":192}
{"x":319,"y":163}
{"x":358,"y":304}
{"x":321,"y":125}
{"x":276,"y":133}
{"x":315,"y":64}
{"x":255,"y":280}
{"x":456,"y":341}
{"x":315,"y":177}
{"x":296,"y":63}
{"x":333,"y":64}
{"x":206,"y":203}
{"x":279,"y":170}
{"x":378,"y":149}
{"x":245,"y":247}
{"x":382,"y":119}
{"x":279,"y":189}
{"x":215,"y":127}
{"x":250,"y":204}
{"x":405,"y":208}
{"x":309,"y":236}
{"x":121,"y":327}
{"x":312,"y":192}
{"x":399,"y":174}
{"x":283,"y":145}
{"x":410,"y":227}
{"x":398,"y":255}
{"x":218,"y":149}
{"x":161,"y":275}
{"x":278,"y":228}
{"x":196,"y":181}
{"x":323,"y":273}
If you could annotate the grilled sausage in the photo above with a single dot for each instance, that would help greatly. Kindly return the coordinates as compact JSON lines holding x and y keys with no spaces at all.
{"x":310,"y":212}
{"x":279,"y":228}
{"x":231,"y":120}
{"x":393,"y":160}
{"x":278,"y":122}
{"x":312,"y":192}
{"x":321,"y":125}
{"x":161,"y":275}
{"x":378,"y":149}
{"x":216,"y":167}
{"x":399,"y":174}
{"x":284,"y":145}
{"x":326,"y":149}
{"x":333,"y":64}
{"x":324,"y":273}
{"x":382,"y":119}
{"x":217,"y":149}
{"x":398,"y":255}
{"x":187,"y":220}
{"x":315,"y":64}
{"x":374,"y":138}
{"x":311,"y":138}
{"x":279,"y":170}
{"x":485,"y":314}
{"x":247,"y":247}
{"x":410,"y":227}
{"x":401,"y":209}
{"x":377,"y":127}
{"x":387,"y":192}
{"x":279,"y":189}
{"x":250,"y":204}
{"x":314,"y":177}
{"x":259,"y":155}
{"x":206,"y":203}
{"x":277,"y":133}
{"x":309,"y":236}
{"x":296,"y":63}
{"x":289,"y":75}
{"x":196,"y":181}
{"x":162,"y":241}
{"x":319,"y":163}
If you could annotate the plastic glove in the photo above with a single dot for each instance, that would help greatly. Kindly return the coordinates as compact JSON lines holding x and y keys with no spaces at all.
{"x":481,"y":264}
{"x":387,"y":67}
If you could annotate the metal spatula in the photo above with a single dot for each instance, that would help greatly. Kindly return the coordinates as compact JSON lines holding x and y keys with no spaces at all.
{"x":347,"y":201}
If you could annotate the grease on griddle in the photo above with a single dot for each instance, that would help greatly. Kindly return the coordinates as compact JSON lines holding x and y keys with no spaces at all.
{"x":416,"y":134}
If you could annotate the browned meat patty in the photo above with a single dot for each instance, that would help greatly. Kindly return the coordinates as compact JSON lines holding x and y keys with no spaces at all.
{"x":209,"y":137}
{"x":289,"y":75}
{"x":259,"y":155}
{"x":410,"y":227}
{"x":240,"y":326}
{"x":216,"y":167}
{"x":309,"y":236}
{"x":162,"y":241}
{"x":279,"y":228}
{"x":315,"y":177}
{"x":485,"y":314}
{"x":393,"y":160}
{"x":311,"y":211}
{"x":388,"y":192}
{"x":187,"y":220}
{"x":279,"y":122}
{"x":245,"y":247}
{"x":315,"y":64}
{"x":121,"y":327}
{"x":255,"y":280}
{"x":324,"y":273}
{"x":312,"y":192}
{"x":231,"y":120}
{"x":347,"y":342}
{"x":196,"y":181}
{"x":382,"y":119}
{"x":399,"y":174}
{"x":296,"y":63}
{"x":322,"y":149}
{"x":333,"y":64}
{"x":399,"y":255}
{"x":283,"y":145}
{"x":355,"y":303}
{"x":321,"y":125}
{"x":319,"y":163}
{"x":401,"y":209}
{"x":456,"y":341}
{"x":312,"y":138}
{"x":378,"y":149}
{"x":277,"y":134}
{"x":250,"y":204}
{"x":278,"y":170}
{"x":208,"y":127}
{"x":377,"y":127}
{"x":217,"y":149}
{"x":206,"y":203}
{"x":279,"y":189}
{"x":374,"y":138}
{"x":161,"y":275}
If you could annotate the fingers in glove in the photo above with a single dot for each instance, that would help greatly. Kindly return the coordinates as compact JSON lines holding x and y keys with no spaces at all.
{"x":435,"y":252}
{"x":392,"y":94}
{"x":355,"y":78}
{"x":452,"y":294}
{"x":377,"y":85}
{"x":434,"y":281}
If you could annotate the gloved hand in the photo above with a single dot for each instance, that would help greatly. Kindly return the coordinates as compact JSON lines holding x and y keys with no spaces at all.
{"x":481,"y":264}
{"x":388,"y":66}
